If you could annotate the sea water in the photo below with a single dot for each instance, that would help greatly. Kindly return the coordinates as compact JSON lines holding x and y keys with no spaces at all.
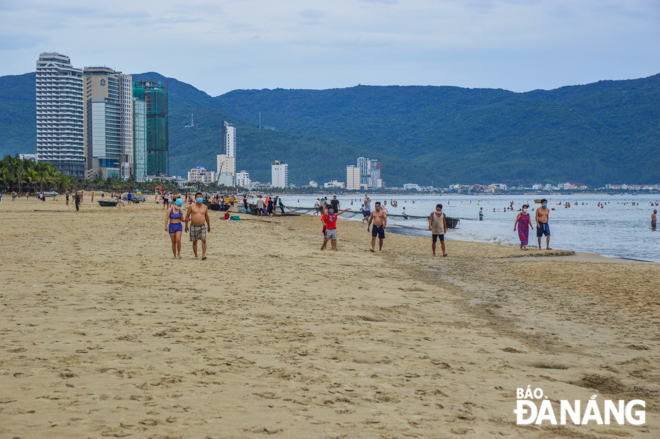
{"x":618,"y":230}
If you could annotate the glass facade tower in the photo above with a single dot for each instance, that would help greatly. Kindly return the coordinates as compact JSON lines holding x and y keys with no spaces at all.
{"x":139,"y":139}
{"x":156,"y":98}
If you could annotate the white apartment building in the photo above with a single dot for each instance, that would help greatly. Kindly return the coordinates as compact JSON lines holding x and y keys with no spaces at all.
{"x":334,"y":184}
{"x":229,"y":145}
{"x":313,"y":183}
{"x":411,"y":186}
{"x":60,"y":118}
{"x":201,"y":175}
{"x":243,"y":179}
{"x":279,"y":175}
{"x":353,"y":179}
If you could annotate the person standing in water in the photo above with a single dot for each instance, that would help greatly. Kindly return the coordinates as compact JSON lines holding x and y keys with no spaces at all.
{"x":174,"y":227}
{"x":523,"y":222}
{"x":198,"y":214}
{"x":379,"y":218}
{"x":438,"y":227}
{"x":654,"y":218}
{"x":542,"y":226}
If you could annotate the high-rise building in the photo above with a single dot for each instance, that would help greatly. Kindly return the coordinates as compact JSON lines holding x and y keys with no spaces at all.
{"x":158,"y":148}
{"x":60,"y":117}
{"x":363,"y":164}
{"x":353,"y":178}
{"x":108,"y":123}
{"x":243,"y":179}
{"x":139,"y":140}
{"x":375,"y":178}
{"x":279,"y":175}
{"x":229,"y":144}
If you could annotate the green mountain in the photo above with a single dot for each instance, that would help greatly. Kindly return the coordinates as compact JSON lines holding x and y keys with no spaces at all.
{"x":595,"y":133}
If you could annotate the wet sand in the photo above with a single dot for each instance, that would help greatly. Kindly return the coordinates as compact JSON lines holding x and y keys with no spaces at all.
{"x":102,"y":334}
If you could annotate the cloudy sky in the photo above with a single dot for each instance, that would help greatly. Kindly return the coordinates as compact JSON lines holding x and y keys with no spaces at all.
{"x":223,"y":45}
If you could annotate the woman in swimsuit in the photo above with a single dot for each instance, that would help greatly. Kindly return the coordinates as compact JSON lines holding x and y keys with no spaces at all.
{"x":173,"y":226}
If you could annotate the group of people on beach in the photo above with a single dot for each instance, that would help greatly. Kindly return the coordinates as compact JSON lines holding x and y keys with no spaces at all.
{"x":376,"y":222}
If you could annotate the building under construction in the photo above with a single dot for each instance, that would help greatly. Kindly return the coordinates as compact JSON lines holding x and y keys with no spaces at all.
{"x":158,"y":148}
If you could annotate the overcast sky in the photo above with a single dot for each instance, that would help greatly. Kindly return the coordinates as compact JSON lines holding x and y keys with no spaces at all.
{"x":219,"y":46}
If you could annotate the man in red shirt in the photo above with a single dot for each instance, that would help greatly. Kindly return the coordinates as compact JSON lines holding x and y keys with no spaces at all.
{"x":329,"y":220}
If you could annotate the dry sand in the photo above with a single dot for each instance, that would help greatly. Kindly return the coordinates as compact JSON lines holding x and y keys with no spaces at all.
{"x":102,"y":334}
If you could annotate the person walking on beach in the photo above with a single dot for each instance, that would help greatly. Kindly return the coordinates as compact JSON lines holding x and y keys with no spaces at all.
{"x":279,"y":200}
{"x":523,"y":222}
{"x":76,"y":200}
{"x":198,"y":214}
{"x":438,"y":226}
{"x":367,"y":207}
{"x":67,"y":199}
{"x":245,"y":203}
{"x":174,"y":228}
{"x":379,"y":218}
{"x":129,"y":197}
{"x":329,"y":220}
{"x":335,"y":203}
{"x":654,"y":218}
{"x":542,"y":226}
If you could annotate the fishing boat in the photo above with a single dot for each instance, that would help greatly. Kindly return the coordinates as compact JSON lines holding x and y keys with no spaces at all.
{"x":537,"y":201}
{"x":108,"y":203}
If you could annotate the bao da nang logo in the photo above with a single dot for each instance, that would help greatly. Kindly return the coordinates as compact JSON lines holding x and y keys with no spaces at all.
{"x":532,"y":407}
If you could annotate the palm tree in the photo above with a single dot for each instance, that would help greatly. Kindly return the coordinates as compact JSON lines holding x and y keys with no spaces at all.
{"x":63,"y":182}
{"x":19,"y":173}
{"x":31,"y":176}
{"x":43,"y":177}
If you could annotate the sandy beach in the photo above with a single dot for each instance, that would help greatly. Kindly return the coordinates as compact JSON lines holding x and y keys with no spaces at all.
{"x":102,"y":334}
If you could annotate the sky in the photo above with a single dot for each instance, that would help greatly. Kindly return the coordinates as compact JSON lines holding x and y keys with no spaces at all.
{"x":219,"y":46}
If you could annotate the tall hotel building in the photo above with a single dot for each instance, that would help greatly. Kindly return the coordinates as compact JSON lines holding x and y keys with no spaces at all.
{"x":108,"y":123}
{"x":60,"y":120}
{"x":155,"y":97}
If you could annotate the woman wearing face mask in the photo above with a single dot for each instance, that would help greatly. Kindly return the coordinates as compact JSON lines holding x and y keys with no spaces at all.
{"x":173,"y":226}
{"x":523,"y":223}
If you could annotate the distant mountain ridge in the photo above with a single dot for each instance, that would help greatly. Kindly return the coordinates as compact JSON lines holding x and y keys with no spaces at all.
{"x":595,"y":133}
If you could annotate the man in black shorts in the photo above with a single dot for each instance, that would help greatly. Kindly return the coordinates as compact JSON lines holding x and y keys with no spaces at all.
{"x":438,"y":227}
{"x":379,"y":218}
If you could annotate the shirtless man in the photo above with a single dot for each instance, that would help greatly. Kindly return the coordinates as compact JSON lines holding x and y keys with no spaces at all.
{"x":654,"y":218}
{"x":198,"y":214}
{"x":542,"y":226}
{"x":379,"y":218}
